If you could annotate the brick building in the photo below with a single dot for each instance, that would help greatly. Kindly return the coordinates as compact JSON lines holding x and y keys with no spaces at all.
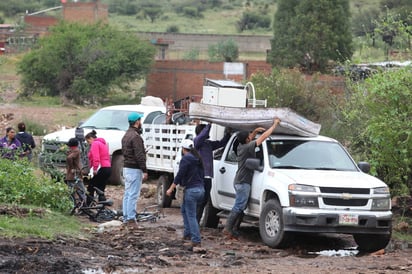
{"x":176,"y":79}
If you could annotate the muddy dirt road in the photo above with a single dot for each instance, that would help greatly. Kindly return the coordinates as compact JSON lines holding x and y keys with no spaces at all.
{"x":157,"y":247}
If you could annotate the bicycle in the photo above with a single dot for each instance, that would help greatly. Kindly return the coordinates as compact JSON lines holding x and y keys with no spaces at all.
{"x":98,"y":211}
{"x":83,"y":203}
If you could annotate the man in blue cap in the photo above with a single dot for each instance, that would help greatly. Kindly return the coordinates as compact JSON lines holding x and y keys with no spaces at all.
{"x":134,"y":170}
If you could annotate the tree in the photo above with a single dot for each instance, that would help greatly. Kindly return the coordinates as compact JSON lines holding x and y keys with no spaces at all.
{"x":311,"y":33}
{"x":377,"y":114}
{"x":82,"y":62}
{"x":152,"y":10}
{"x":227,"y":51}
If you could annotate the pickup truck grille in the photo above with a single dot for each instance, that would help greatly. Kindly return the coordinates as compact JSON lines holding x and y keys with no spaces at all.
{"x":344,"y":190}
{"x":349,"y":202}
{"x":342,"y":202}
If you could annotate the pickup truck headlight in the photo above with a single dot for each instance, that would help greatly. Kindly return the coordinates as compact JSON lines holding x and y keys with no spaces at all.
{"x":303,"y":196}
{"x":381,"y":204}
{"x":384,"y":201}
{"x":381,"y":190}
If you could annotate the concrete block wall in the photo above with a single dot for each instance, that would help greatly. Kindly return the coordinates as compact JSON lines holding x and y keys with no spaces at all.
{"x":186,"y":41}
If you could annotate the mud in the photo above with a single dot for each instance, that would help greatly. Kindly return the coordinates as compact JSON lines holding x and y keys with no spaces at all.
{"x":157,"y":247}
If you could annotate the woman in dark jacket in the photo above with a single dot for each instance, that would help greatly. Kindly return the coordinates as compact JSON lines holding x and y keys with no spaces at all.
{"x":26,"y":140}
{"x":190,"y":176}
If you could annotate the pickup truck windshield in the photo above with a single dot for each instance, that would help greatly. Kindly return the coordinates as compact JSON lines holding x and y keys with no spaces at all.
{"x":308,"y":154}
{"x":108,"y":119}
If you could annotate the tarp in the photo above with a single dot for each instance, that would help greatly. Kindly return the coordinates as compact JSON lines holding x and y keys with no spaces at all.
{"x":251,"y":118}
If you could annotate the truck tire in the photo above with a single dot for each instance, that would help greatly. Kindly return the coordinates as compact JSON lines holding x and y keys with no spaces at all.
{"x":163,"y":184}
{"x":371,"y":242}
{"x":210,"y":218}
{"x":117,"y":170}
{"x":271,"y":226}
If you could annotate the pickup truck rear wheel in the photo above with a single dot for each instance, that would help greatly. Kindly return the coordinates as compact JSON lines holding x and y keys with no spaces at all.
{"x":371,"y":242}
{"x":116,"y":178}
{"x":163,"y":184}
{"x":271,"y":227}
{"x":210,"y":218}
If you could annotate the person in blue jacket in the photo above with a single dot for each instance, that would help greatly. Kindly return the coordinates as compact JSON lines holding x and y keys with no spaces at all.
{"x":205,"y":147}
{"x":10,"y":145}
{"x":190,"y":175}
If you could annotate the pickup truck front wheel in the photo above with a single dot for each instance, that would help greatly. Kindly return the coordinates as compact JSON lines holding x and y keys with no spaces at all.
{"x":163,"y":200}
{"x":271,"y":226}
{"x":371,"y":242}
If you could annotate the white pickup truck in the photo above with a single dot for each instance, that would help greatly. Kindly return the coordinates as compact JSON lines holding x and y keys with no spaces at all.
{"x":111,"y":124}
{"x":305,"y":184}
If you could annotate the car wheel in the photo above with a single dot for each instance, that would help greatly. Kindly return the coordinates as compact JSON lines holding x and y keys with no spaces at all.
{"x":271,"y":226}
{"x":163,"y":184}
{"x":371,"y":242}
{"x":210,"y":218}
{"x":116,"y":178}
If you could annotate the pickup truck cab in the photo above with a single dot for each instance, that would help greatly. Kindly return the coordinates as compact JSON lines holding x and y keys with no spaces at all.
{"x":304,"y":184}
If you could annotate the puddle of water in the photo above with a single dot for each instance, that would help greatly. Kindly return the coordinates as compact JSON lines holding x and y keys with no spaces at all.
{"x":337,"y":253}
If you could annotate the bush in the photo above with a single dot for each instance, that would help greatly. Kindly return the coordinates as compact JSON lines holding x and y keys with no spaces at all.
{"x":172,"y":29}
{"x":34,"y":128}
{"x":377,"y":115}
{"x":288,"y":88}
{"x":227,"y":51}
{"x":19,"y":185}
{"x":253,"y":20}
{"x":192,"y":55}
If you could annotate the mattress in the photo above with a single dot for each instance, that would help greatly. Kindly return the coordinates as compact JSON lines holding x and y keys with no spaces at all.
{"x":250,"y":118}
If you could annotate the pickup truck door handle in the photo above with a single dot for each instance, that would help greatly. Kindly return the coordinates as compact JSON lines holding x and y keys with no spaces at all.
{"x":222,"y":170}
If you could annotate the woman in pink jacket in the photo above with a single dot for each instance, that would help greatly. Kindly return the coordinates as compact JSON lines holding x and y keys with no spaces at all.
{"x":99,"y":161}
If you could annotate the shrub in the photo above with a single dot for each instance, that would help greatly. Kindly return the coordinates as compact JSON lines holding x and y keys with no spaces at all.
{"x":172,"y":29}
{"x":192,"y":55}
{"x":377,"y":114}
{"x":227,"y":51}
{"x":288,"y":88}
{"x":20,"y":185}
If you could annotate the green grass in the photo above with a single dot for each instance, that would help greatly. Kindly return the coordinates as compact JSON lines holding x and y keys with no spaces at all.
{"x":214,"y":21}
{"x":49,"y":226}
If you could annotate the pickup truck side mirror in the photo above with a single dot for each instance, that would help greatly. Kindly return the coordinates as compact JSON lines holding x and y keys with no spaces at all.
{"x":364,"y":166}
{"x":254,"y":164}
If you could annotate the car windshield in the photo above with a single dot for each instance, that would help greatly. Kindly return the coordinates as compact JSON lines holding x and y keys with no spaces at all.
{"x":309,"y":154}
{"x":108,"y":119}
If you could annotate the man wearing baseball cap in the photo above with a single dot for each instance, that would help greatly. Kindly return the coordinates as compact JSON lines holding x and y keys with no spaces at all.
{"x":134,"y":170}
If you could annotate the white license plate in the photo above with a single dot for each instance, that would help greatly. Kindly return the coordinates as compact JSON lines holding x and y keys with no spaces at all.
{"x":348,"y":219}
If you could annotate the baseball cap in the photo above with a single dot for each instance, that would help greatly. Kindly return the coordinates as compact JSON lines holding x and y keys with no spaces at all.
{"x":187,"y":144}
{"x":134,"y":116}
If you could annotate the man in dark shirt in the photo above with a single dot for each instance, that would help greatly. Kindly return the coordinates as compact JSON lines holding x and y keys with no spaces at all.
{"x":244,"y":176}
{"x":134,"y":170}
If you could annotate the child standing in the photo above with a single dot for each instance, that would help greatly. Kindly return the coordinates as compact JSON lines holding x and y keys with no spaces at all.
{"x":73,"y":168}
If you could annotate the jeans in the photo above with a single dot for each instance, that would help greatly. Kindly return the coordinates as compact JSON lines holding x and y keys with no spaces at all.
{"x":192,"y":197}
{"x":132,"y":185}
{"x":242,"y":197}
{"x":201,"y":206}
